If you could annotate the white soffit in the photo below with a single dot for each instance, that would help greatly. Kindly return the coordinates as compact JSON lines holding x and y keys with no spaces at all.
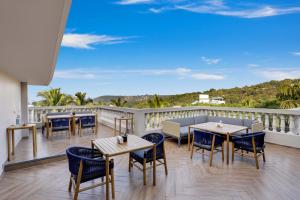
{"x":31,"y":32}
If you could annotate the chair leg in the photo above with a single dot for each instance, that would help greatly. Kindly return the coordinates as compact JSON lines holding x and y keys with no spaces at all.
{"x":112,"y":181}
{"x":264,"y":156}
{"x":192,"y":146}
{"x":223,"y":152}
{"x":165,"y":160}
{"x":78,"y":181}
{"x":70,"y":184}
{"x":129,"y":163}
{"x":179,"y":142}
{"x":212,"y":150}
{"x":144,"y":172}
{"x":254,"y":152}
{"x":232,"y":156}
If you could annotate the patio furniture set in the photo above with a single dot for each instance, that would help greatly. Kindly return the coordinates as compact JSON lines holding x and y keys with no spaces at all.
{"x":208,"y":133}
{"x":66,"y":121}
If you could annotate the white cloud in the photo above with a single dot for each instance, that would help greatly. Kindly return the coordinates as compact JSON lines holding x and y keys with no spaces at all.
{"x":277,"y":74}
{"x":219,"y":7}
{"x":86,"y":41}
{"x":210,"y":61}
{"x":204,"y":76}
{"x":74,"y":74}
{"x":296,"y":53}
{"x":129,"y":2}
{"x":253,"y":65}
{"x":180,"y":72}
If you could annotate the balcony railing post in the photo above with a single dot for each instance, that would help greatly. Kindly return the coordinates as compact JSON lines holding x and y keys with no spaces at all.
{"x":274,"y":123}
{"x":267,"y":122}
{"x":282,"y":124}
{"x":139,"y":122}
{"x":291,"y":125}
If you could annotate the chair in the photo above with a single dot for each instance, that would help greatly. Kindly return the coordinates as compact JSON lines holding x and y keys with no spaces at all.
{"x":207,"y":141}
{"x":87,"y":122}
{"x":60,"y":124}
{"x":87,"y":164}
{"x":146,"y":156}
{"x":252,"y":142}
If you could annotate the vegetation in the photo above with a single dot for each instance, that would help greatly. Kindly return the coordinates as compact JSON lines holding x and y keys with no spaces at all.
{"x":273,"y":94}
{"x":155,"y":102}
{"x":119,"y":102}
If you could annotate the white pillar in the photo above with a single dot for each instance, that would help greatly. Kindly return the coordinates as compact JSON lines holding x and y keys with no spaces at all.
{"x":139,"y":122}
{"x":274,"y":123}
{"x":267,"y":122}
{"x":24,"y":106}
{"x":282,"y":124}
{"x":291,"y":125}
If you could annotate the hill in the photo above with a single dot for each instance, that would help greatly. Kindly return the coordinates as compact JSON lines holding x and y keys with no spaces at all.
{"x":261,"y":95}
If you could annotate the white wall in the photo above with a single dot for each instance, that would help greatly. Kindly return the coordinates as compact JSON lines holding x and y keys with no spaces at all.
{"x":10,"y":106}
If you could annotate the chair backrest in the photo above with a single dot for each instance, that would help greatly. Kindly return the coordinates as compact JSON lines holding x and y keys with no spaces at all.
{"x":88,"y":120}
{"x":60,"y":123}
{"x":205,"y":138}
{"x":259,"y":138}
{"x":74,"y":158}
{"x":158,"y":139}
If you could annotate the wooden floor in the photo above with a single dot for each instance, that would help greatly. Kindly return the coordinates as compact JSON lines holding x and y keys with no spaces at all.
{"x":278,"y":178}
{"x":55,"y":145}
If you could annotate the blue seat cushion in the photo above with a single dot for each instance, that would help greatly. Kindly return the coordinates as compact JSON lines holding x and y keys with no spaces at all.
{"x":60,"y":128}
{"x":88,"y":125}
{"x":139,"y":156}
{"x":184,"y":131}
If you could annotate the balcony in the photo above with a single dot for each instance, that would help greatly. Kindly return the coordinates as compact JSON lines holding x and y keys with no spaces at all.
{"x":278,"y":177}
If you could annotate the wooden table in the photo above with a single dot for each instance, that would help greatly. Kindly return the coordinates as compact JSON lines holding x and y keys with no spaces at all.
{"x":11,"y":131}
{"x":109,"y":147}
{"x":126,"y":119}
{"x":227,"y":130}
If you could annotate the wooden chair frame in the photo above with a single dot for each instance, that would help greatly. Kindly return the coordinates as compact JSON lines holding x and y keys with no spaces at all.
{"x":94,"y":129}
{"x":213,"y":149}
{"x":144,"y":168}
{"x":256,"y":155}
{"x":76,"y":184}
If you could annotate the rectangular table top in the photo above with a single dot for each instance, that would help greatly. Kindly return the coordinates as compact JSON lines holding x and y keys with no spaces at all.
{"x":212,"y":127}
{"x":25,"y":126}
{"x":59,"y":116}
{"x":110,"y":147}
{"x":84,"y":115}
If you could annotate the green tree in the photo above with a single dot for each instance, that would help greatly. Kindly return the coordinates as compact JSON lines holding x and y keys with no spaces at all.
{"x":81,"y":99}
{"x":155,"y":102}
{"x":52,"y":97}
{"x":119,"y":102}
{"x":288,"y":104}
{"x":248,"y":102}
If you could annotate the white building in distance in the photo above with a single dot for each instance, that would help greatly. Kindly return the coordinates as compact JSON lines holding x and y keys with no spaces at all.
{"x":204,"y":98}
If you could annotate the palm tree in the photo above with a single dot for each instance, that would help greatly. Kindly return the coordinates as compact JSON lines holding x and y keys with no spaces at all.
{"x":81,"y":99}
{"x":119,"y":102}
{"x":52,"y":97}
{"x":156,"y":102}
{"x":288,"y":104}
{"x":248,"y":102}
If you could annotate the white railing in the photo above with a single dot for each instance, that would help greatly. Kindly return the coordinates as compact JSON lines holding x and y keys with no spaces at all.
{"x":277,"y":122}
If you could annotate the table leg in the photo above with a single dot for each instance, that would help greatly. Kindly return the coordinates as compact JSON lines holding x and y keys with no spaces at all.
{"x":115,"y":126}
{"x":227,"y":149}
{"x":189,"y":138}
{"x":13,"y":142}
{"x":73,"y":125}
{"x":154,"y":165}
{"x":120,"y":126}
{"x":47,"y":127}
{"x":34,"y":141}
{"x":131,"y":125}
{"x":8,"y":145}
{"x":107,"y":176}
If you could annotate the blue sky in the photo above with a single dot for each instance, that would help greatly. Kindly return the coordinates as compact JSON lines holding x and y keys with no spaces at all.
{"x":134,"y":47}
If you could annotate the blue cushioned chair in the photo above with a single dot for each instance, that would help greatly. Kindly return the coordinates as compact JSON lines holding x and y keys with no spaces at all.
{"x":252,"y":142}
{"x":87,"y":164}
{"x":146,"y":156}
{"x":87,"y":122}
{"x":207,"y":141}
{"x":60,"y":124}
